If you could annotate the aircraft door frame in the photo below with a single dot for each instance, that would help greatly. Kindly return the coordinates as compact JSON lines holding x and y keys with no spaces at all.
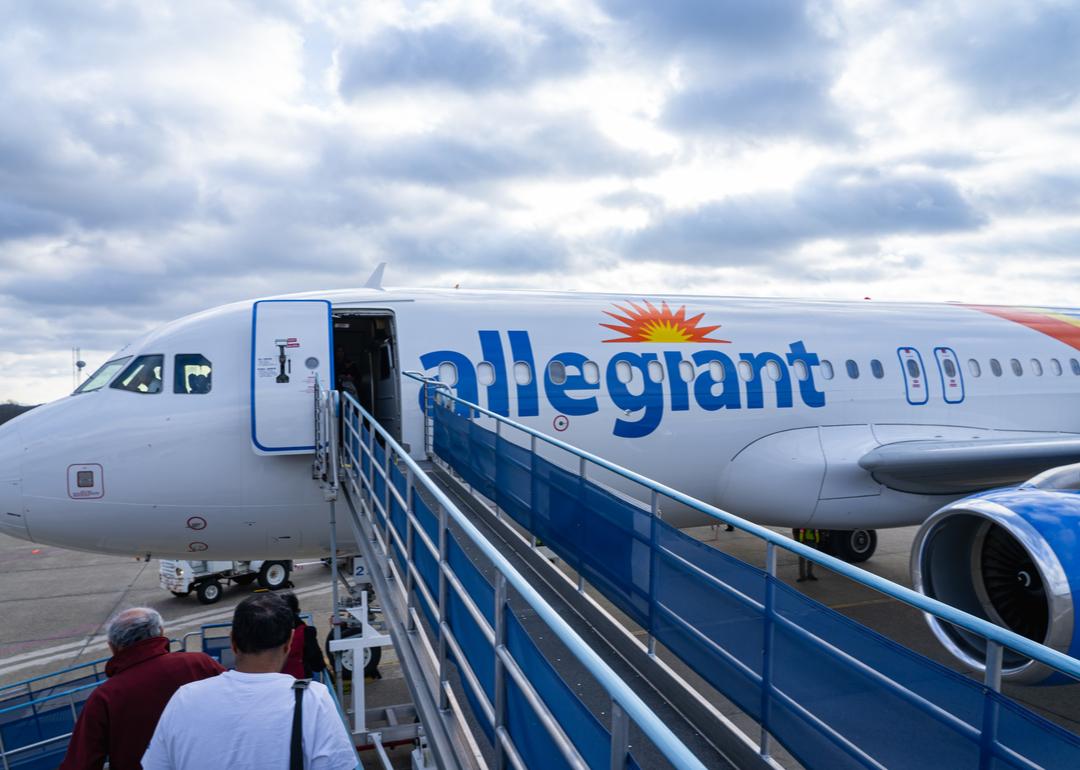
{"x":952,"y":388}
{"x":916,"y":389}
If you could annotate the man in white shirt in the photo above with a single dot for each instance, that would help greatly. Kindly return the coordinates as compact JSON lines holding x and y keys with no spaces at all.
{"x":243,"y":718}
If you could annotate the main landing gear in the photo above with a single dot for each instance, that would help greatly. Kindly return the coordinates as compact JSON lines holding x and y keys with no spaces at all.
{"x":851,"y":545}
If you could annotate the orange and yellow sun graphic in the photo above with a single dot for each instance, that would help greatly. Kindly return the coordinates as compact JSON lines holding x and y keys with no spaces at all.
{"x":649,"y":324}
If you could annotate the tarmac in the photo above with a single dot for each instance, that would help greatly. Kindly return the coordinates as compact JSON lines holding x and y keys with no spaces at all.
{"x":55,"y":604}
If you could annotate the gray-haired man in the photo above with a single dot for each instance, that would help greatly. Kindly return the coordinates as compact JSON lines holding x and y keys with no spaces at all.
{"x":120,"y":716}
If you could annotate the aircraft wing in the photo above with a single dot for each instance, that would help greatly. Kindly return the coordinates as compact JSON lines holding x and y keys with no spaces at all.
{"x":943,"y":466}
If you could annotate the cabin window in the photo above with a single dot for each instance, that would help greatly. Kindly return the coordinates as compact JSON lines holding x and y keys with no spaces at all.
{"x":191,"y":373}
{"x":877,"y":369}
{"x":1017,"y":369}
{"x":746,"y":371}
{"x":448,"y":373}
{"x":995,"y":367}
{"x":949,"y":367}
{"x":656,"y":371}
{"x":1055,"y":366}
{"x":101,"y":377}
{"x":827,"y":370}
{"x":591,"y":371}
{"x":1036,"y":367}
{"x":974,"y":368}
{"x":485,"y":374}
{"x":772,"y":368}
{"x":557,"y":373}
{"x":802,"y":372}
{"x":913,"y":368}
{"x":852,"y":369}
{"x":716,"y":371}
{"x":522,"y":373}
{"x":143,"y":375}
{"x":686,"y":371}
{"x":624,"y":373}
{"x":1075,"y":365}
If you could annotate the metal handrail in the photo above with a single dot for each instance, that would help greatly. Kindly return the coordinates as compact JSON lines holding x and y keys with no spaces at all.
{"x":69,"y":669}
{"x":645,"y":718}
{"x":993,"y":633}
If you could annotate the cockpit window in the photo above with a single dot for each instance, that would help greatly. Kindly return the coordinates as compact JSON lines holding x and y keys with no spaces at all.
{"x":101,"y":377}
{"x":191,"y":373}
{"x":143,"y":375}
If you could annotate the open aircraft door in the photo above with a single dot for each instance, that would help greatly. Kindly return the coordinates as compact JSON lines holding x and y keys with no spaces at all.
{"x":290,"y":347}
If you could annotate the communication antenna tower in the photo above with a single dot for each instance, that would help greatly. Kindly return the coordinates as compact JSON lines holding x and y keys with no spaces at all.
{"x":77,"y":365}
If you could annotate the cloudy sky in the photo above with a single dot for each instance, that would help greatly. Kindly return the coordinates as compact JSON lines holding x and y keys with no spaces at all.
{"x":157,"y":158}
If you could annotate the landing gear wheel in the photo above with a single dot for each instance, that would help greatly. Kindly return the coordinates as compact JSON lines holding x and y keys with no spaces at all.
{"x":372,"y":657}
{"x":274,"y":574}
{"x":208,"y":591}
{"x":853,"y":545}
{"x":244,"y":580}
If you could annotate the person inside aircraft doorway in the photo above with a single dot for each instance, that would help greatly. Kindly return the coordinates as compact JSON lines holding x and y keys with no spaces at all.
{"x":812,"y":538}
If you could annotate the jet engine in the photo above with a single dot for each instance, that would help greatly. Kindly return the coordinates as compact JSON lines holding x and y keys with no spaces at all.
{"x":1012,"y":557}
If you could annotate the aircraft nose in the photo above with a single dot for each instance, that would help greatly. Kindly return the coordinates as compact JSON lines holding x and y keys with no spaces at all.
{"x":12,"y":512}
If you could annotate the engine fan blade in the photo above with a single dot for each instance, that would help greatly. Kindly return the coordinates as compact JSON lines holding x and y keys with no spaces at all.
{"x":1013,"y":585}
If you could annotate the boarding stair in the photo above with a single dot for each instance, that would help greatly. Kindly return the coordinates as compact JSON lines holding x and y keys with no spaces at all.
{"x":546,"y":615}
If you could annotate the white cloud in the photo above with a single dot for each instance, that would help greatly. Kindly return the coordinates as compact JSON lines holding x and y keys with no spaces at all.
{"x":158,"y":158}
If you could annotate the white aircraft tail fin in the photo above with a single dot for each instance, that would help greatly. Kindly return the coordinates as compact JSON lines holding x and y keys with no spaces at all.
{"x":375,"y":281}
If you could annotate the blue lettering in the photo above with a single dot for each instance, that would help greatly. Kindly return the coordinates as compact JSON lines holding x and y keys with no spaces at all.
{"x":466,"y":375}
{"x":527,"y":398}
{"x":810,"y":395}
{"x":755,"y":392}
{"x":498,"y":398}
{"x":728,"y":397}
{"x":576,"y":397}
{"x":651,"y":397}
{"x":557,"y":393}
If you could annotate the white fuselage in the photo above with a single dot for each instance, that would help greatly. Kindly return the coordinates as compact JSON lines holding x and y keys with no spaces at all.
{"x":776,"y":441}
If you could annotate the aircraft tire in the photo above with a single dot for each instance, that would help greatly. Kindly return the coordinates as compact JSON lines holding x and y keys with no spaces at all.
{"x":208,"y":592}
{"x":852,"y":545}
{"x":274,"y":575}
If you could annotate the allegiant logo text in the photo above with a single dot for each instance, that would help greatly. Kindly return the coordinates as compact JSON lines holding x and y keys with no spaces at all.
{"x":642,"y":397}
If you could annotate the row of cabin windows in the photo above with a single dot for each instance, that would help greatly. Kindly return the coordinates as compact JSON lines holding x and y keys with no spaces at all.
{"x":145,"y":374}
{"x":624,"y":372}
{"x":1035,"y":366}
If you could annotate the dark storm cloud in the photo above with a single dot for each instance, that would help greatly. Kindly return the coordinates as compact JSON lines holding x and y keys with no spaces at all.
{"x":1014,"y":55}
{"x":836,"y":202}
{"x":462,"y":54}
{"x":759,"y":107}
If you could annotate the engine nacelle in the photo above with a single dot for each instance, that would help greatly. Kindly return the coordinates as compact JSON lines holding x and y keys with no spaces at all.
{"x":1012,"y":557}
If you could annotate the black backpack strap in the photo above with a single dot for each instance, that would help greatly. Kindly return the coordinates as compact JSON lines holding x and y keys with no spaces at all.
{"x":296,"y":749}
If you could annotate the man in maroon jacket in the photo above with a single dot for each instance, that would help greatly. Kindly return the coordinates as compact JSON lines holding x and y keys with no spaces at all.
{"x":119,"y":718}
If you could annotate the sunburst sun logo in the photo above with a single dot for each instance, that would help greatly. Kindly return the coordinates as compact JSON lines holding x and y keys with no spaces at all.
{"x":652,"y":324}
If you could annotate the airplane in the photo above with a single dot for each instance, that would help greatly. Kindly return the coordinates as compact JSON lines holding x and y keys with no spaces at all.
{"x":846,"y":417}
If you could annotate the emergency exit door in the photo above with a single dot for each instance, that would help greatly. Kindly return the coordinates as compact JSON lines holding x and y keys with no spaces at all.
{"x":290,"y":348}
{"x":952,"y":379}
{"x":915,"y":387}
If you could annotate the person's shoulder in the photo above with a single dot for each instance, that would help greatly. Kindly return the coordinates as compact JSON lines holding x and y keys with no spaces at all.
{"x":198,"y":660}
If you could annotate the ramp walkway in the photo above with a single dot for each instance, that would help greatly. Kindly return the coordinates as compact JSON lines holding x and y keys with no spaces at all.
{"x":488,"y":561}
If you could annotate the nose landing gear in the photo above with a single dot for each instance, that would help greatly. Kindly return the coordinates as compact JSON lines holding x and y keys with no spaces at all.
{"x":851,"y":545}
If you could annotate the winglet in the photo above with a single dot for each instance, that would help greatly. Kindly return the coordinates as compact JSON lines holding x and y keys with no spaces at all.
{"x":375,"y":281}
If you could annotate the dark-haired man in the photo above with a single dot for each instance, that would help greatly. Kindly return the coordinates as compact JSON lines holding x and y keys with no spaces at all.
{"x":243,"y":718}
{"x":119,"y":717}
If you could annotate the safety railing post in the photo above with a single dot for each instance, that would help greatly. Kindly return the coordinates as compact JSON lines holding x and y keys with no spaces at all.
{"x":444,"y":701}
{"x":620,"y":736}
{"x":991,"y":685}
{"x":388,"y":496}
{"x":582,"y":470}
{"x":4,"y":764}
{"x":767,"y":648}
{"x":533,"y":485}
{"x":654,"y":563}
{"x":410,"y":506}
{"x":498,"y":436}
{"x":500,"y":671}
